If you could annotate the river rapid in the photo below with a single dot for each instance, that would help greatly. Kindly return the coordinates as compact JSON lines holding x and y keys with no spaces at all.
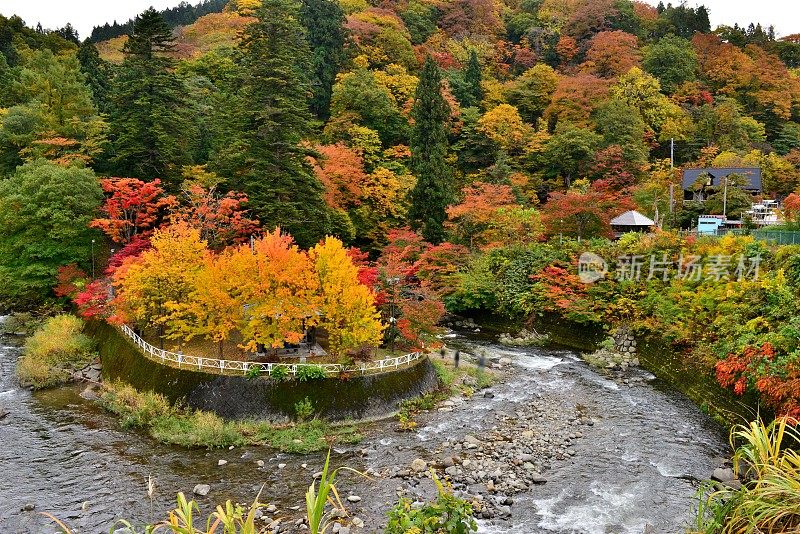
{"x":631,"y":471}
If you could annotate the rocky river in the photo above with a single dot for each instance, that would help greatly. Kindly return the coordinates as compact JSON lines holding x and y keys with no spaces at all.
{"x":552,"y":447}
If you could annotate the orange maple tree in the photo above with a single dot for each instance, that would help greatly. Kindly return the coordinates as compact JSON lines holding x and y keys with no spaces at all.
{"x":341,"y":170}
{"x":575,"y":99}
{"x":583,"y":214}
{"x":470,"y":219}
{"x":221,"y":218}
{"x":611,"y":54}
{"x":280,"y":292}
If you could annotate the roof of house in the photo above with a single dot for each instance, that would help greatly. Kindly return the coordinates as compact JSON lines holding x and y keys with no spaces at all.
{"x":751,"y":174}
{"x":632,"y":218}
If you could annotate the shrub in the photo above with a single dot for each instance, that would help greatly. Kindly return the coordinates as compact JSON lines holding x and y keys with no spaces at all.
{"x":252,"y":372}
{"x":310,"y":372}
{"x":54,"y":351}
{"x":136,"y":409}
{"x":447,"y":514}
{"x":304,"y":409}
{"x":197,"y":429}
{"x":24,"y":323}
{"x":279,"y":373}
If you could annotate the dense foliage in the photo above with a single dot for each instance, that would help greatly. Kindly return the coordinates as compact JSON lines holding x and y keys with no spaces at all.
{"x":56,"y":350}
{"x":461,"y":147}
{"x":730,"y":302}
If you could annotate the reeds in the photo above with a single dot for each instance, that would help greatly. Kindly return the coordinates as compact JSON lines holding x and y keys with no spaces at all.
{"x":316,"y":499}
{"x":769,"y":500}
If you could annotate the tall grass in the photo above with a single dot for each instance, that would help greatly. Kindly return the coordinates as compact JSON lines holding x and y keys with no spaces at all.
{"x":226,"y":519}
{"x":769,"y":500}
{"x":54,"y":351}
{"x":316,"y":498}
{"x":196,"y":428}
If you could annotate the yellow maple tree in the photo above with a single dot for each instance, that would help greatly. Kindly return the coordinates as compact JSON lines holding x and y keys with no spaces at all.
{"x":152,"y":289}
{"x":347,"y":307}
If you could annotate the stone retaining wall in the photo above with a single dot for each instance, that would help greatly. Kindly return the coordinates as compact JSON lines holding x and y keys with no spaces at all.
{"x":237,"y":397}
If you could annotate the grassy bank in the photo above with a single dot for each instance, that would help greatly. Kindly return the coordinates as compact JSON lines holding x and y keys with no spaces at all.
{"x":176,"y":425}
{"x":54,"y":351}
{"x":463,"y":380}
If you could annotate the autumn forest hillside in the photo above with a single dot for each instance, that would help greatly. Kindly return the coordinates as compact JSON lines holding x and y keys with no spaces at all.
{"x":474,"y":122}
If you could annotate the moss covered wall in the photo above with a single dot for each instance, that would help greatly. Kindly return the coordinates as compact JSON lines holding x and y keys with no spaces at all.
{"x":237,"y":397}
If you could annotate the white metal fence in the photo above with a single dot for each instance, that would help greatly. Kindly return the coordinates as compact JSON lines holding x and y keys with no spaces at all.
{"x":214,"y":365}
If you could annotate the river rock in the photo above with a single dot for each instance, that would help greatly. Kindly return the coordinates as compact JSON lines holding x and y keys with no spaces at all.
{"x":354,"y":498}
{"x":201,"y":489}
{"x":419,"y":465}
{"x":357,"y":522}
{"x":524,"y":338}
{"x":723,"y":474}
{"x":90,"y":393}
{"x":537,"y":478}
{"x":469,"y":438}
{"x":222,"y":462}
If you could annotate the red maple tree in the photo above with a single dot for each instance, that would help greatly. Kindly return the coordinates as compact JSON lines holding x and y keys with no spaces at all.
{"x":132,"y":207}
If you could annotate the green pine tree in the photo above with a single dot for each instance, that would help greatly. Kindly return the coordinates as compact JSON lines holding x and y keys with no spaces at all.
{"x":97,"y":74}
{"x":278,"y":180}
{"x":150,"y":129}
{"x":472,"y":81}
{"x":5,"y":81}
{"x":324,"y":24}
{"x":430,"y":197}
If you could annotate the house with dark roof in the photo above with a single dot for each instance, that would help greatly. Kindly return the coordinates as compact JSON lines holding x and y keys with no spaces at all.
{"x":697,"y":182}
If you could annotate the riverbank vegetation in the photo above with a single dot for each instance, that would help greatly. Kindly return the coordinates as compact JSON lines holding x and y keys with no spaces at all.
{"x":180,"y":426}
{"x":56,"y":350}
{"x":731,"y":310}
{"x":768,"y":498}
{"x":418,"y":157}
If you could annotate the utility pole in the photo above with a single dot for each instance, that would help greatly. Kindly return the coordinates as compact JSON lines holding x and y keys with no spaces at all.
{"x":672,"y":153}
